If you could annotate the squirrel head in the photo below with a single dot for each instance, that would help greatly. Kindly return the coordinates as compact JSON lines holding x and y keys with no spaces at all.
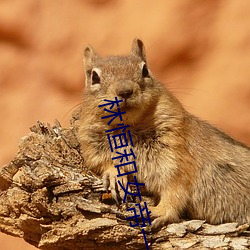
{"x":125,"y":77}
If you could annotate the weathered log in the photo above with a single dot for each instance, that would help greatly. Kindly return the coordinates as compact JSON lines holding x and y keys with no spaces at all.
{"x":50,"y":198}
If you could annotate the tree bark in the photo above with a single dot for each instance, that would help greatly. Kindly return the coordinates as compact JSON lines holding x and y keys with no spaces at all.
{"x":50,"y":199}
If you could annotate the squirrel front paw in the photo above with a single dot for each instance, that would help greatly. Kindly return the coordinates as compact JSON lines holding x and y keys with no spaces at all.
{"x":110,"y":181}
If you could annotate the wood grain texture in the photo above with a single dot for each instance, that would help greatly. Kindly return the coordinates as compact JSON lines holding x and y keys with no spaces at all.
{"x":51,"y":200}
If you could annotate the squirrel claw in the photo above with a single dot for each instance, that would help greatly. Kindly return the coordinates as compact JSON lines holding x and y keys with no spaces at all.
{"x":110,"y":182}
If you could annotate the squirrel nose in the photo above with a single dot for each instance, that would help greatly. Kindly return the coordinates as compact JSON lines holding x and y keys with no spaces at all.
{"x":125,"y":93}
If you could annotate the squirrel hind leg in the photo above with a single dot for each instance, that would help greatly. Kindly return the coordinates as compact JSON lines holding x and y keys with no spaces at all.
{"x":169,"y":209}
{"x":163,"y":215}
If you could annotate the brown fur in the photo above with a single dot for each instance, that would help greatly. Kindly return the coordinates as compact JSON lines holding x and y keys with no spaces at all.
{"x":190,"y":165}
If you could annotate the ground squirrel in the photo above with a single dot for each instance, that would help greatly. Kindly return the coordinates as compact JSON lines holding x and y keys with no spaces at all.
{"x":191,"y":167}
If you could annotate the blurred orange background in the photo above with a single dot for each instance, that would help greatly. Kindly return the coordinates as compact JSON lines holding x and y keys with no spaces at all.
{"x":200,"y":49}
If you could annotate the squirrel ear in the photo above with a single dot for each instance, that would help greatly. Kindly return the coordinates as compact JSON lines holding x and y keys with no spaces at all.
{"x":138,"y":49}
{"x":89,"y":57}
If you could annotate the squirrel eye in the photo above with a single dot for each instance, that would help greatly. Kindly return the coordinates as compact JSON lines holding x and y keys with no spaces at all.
{"x":145,"y":72}
{"x":95,"y":78}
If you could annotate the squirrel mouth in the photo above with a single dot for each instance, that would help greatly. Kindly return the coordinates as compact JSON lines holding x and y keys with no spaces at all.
{"x":127,"y":104}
